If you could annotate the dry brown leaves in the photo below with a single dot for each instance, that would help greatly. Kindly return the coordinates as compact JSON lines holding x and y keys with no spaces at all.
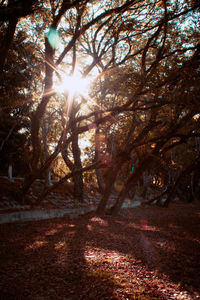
{"x":146,"y":253}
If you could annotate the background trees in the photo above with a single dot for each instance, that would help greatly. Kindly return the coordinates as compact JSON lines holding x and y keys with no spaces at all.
{"x":141,"y":115}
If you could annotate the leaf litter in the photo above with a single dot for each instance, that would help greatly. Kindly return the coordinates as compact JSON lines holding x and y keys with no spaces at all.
{"x":145,"y":253}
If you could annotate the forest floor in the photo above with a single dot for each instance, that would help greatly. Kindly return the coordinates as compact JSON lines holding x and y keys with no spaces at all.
{"x":145,"y":253}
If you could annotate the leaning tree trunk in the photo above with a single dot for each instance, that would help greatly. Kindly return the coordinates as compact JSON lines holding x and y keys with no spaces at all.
{"x":37,"y":118}
{"x":39,"y":113}
{"x":77,"y":177}
{"x":98,"y":171}
{"x":46,"y":154}
{"x":111,"y":177}
{"x":132,"y":180}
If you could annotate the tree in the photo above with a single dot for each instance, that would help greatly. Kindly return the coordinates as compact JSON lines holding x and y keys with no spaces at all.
{"x":16,"y":94}
{"x":49,"y":58}
{"x":11,"y":13}
{"x":146,"y":55}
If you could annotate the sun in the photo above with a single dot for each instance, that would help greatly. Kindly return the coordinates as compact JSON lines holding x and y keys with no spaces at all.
{"x":74,"y":85}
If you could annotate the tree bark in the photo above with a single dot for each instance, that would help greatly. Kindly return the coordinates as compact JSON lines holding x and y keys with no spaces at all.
{"x":99,"y":175}
{"x":46,"y":154}
{"x":133,"y":178}
{"x":112,"y":174}
{"x":111,"y":177}
{"x":39,"y":113}
{"x":77,"y":177}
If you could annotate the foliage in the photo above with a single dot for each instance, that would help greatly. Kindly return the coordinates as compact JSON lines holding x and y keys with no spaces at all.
{"x":16,"y":92}
{"x":143,"y":107}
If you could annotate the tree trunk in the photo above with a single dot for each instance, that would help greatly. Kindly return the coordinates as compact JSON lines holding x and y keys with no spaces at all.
{"x":37,"y":118}
{"x":99,"y":175}
{"x":39,"y":113}
{"x":133,"y":178}
{"x":77,"y":177}
{"x":34,"y":174}
{"x":46,"y":155}
{"x":111,"y":177}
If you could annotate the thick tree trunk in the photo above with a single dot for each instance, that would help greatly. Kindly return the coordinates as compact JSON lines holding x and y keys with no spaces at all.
{"x":37,"y":119}
{"x":132,"y":180}
{"x":111,"y":177}
{"x":46,"y":154}
{"x":39,"y":113}
{"x":100,"y":180}
{"x":34,"y":174}
{"x":99,"y":175}
{"x":77,"y":177}
{"x":64,"y":152}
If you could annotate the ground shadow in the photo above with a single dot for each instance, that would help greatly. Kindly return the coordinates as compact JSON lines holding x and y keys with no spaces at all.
{"x":168,"y":241}
{"x":72,"y":259}
{"x":47,"y":259}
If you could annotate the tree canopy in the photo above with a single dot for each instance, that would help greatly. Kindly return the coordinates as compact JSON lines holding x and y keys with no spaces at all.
{"x":138,"y":122}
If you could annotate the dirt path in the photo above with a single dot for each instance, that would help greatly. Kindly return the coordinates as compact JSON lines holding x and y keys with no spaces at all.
{"x":146,"y":253}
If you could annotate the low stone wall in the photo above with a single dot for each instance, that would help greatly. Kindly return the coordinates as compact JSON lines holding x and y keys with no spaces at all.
{"x":34,"y":215}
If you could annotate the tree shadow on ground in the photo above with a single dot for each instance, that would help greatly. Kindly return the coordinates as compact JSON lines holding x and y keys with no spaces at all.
{"x":88,"y":283}
{"x":167,"y":241}
{"x":96,"y":257}
{"x":48,"y":260}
